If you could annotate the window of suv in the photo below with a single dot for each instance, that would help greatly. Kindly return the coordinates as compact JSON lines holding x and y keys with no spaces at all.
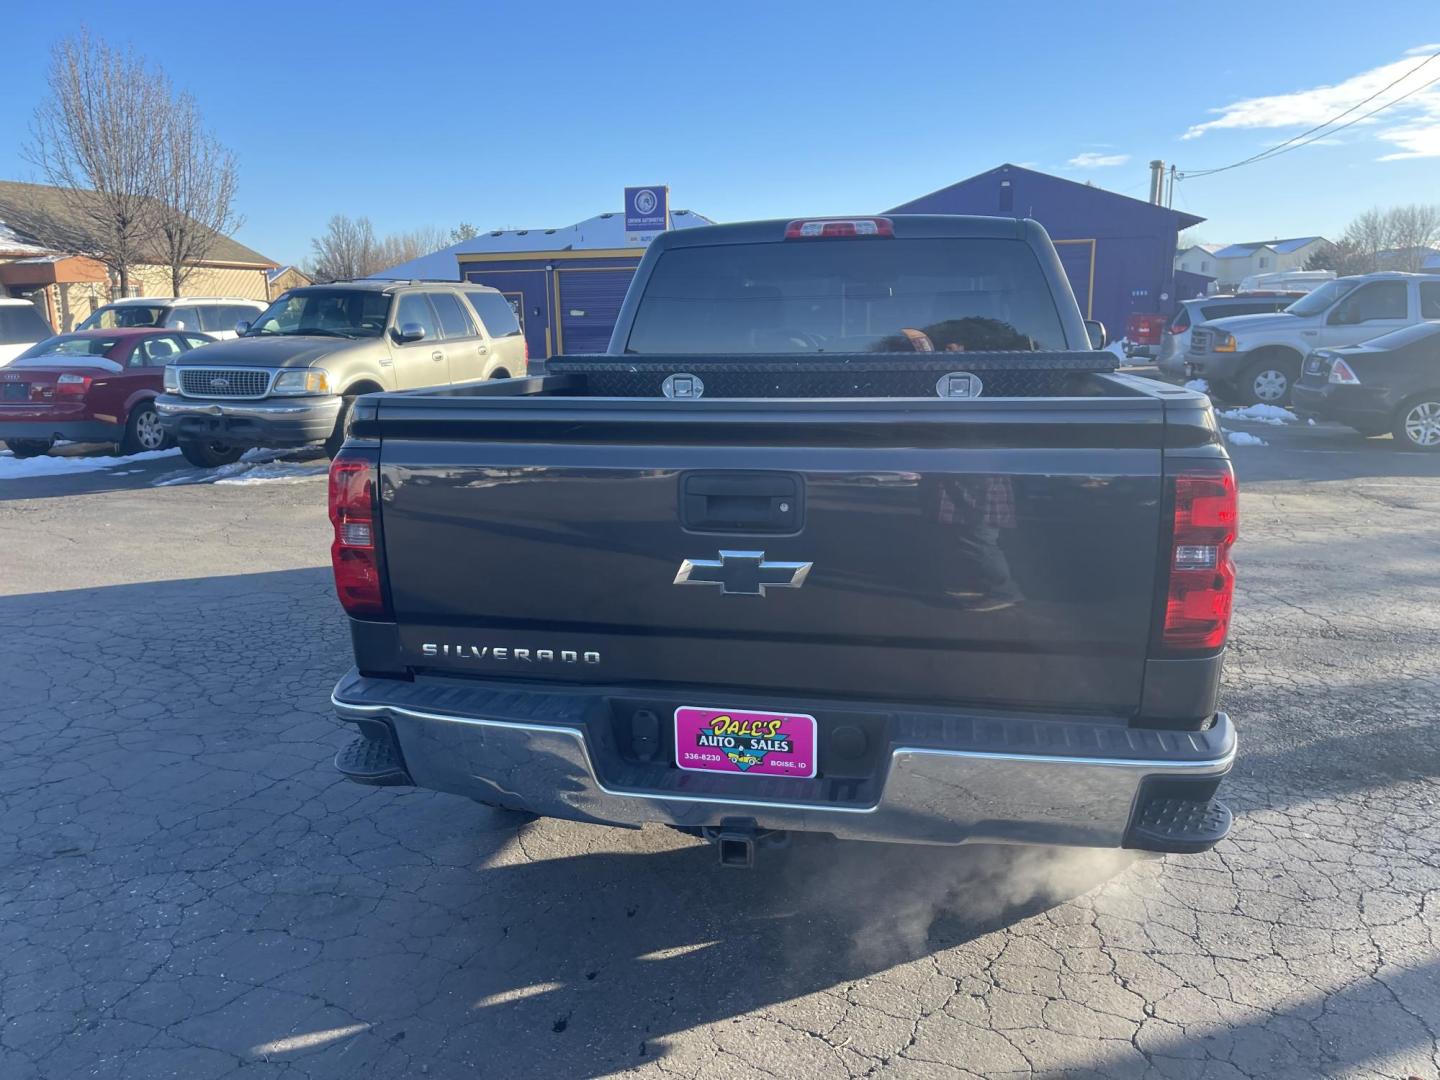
{"x":114,"y":316}
{"x":454,"y":321}
{"x":1254,"y":307}
{"x":217,"y":318}
{"x":325,"y":311}
{"x":183,"y":318}
{"x":495,"y":312}
{"x":894,"y":295}
{"x":414,"y":309}
{"x":20,"y":323}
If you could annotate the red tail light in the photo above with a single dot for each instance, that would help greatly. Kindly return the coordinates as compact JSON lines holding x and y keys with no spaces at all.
{"x":72,"y":385}
{"x":354,"y":553}
{"x":828,"y":228}
{"x":1181,"y":322}
{"x":1202,"y":576}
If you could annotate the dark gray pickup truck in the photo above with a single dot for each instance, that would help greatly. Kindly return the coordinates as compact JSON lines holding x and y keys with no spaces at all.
{"x":849,"y":532}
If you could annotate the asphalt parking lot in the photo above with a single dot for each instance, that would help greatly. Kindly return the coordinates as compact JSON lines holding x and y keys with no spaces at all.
{"x":188,"y":890}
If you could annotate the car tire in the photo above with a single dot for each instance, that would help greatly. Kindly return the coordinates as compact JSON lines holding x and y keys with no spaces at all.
{"x":207,"y":455}
{"x":342,"y":423}
{"x":27,"y":448}
{"x":143,"y":430}
{"x":1268,"y":381}
{"x":1417,"y":423}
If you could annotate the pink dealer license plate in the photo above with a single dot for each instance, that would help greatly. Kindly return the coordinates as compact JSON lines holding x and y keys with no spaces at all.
{"x":740,"y":741}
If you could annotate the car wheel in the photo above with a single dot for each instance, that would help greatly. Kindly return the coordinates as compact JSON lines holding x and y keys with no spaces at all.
{"x":1267,"y":382}
{"x":23,"y":448}
{"x":342,"y":424}
{"x":143,"y":431}
{"x":207,"y":455}
{"x":1417,"y":423}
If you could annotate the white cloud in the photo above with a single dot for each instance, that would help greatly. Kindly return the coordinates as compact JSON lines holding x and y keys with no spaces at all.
{"x":1091,"y":160}
{"x":1415,"y":122}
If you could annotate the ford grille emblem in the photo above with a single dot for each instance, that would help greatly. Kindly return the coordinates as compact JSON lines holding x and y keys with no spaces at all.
{"x":219,"y":383}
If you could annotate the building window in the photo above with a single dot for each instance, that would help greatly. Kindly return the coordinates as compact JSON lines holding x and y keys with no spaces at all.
{"x":1264,"y":262}
{"x":1204,"y":266}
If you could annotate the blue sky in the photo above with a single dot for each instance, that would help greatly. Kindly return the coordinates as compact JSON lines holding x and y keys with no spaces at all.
{"x":538,"y":115}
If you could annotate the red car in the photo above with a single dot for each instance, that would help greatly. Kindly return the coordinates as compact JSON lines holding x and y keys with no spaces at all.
{"x":90,"y":386}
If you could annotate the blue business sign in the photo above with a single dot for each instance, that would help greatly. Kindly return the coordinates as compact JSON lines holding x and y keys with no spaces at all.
{"x":647,"y":209}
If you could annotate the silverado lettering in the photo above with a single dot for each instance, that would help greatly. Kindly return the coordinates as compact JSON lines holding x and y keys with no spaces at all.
{"x":501,"y":652}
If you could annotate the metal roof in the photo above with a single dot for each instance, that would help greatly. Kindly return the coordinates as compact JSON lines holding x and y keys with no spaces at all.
{"x":601,"y":232}
{"x":1283,"y":247}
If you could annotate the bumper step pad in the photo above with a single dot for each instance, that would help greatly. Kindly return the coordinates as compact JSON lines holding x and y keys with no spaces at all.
{"x":1181,"y":826}
{"x":372,"y":761}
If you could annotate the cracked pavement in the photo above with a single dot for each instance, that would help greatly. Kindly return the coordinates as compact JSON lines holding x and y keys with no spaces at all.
{"x":188,"y":890}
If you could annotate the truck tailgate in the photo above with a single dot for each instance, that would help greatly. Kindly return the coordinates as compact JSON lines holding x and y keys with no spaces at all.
{"x":1003,"y":552}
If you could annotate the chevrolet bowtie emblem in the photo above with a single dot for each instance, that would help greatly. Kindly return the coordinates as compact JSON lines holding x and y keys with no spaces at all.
{"x":743,"y":573}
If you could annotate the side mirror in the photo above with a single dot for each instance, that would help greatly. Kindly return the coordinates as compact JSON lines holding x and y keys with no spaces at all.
{"x":1096,"y":329}
{"x":179,"y":324}
{"x":408,"y":332}
{"x":242,"y":326}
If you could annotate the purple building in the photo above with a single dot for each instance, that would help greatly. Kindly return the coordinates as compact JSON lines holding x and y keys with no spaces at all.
{"x":1118,"y":252}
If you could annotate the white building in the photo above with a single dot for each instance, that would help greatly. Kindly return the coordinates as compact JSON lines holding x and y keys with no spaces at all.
{"x":1232,"y":263}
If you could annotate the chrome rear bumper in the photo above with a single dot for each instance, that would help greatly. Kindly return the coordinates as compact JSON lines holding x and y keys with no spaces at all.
{"x":927,"y":794}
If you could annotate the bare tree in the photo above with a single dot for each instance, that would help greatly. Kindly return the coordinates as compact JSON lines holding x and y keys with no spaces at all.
{"x":463,"y":231}
{"x":94,"y":139}
{"x":400,"y":248}
{"x":1343,"y":256}
{"x":1398,"y":238}
{"x":195,"y":186}
{"x":347,"y":249}
{"x":1414,"y":231}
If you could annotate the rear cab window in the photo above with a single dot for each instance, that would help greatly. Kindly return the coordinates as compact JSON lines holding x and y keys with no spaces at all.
{"x":848,"y":296}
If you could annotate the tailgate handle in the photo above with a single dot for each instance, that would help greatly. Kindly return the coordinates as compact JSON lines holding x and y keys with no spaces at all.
{"x":742,"y":502}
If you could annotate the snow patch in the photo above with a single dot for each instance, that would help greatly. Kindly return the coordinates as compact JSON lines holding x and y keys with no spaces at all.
{"x":1261,"y":414}
{"x":13,"y":468}
{"x":1198,"y":385}
{"x":1117,"y":350}
{"x":258,"y":466}
{"x":1244,"y":438}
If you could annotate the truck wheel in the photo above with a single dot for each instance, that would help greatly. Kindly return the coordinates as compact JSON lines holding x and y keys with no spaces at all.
{"x":143,"y":430}
{"x":1417,"y":423}
{"x":342,"y":422}
{"x":207,"y":455}
{"x":1267,"y":382}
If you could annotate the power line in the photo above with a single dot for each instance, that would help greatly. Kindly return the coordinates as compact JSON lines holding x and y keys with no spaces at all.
{"x":1294,"y":143}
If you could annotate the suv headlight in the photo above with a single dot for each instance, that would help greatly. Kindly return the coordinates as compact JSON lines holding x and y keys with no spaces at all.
{"x":1223,"y":341}
{"x":301,"y":381}
{"x":172,"y":380}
